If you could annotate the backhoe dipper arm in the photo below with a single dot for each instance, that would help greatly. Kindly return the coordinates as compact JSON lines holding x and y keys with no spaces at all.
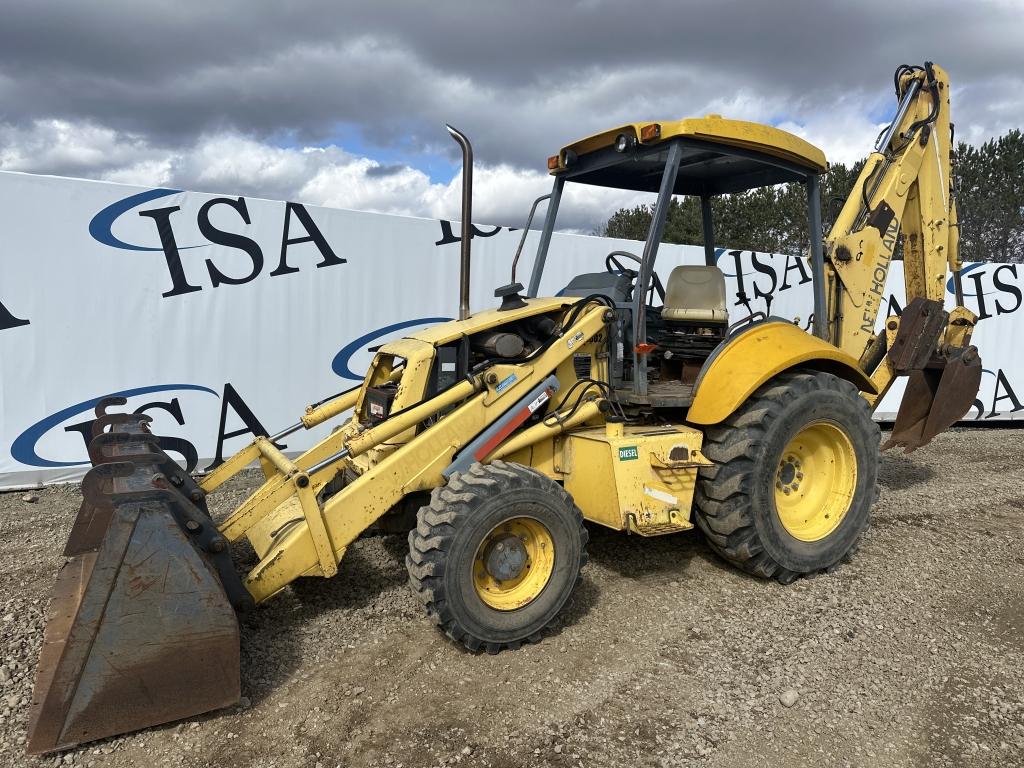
{"x":904,"y":190}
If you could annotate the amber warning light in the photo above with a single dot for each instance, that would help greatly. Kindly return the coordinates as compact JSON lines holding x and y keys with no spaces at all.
{"x":650,"y":132}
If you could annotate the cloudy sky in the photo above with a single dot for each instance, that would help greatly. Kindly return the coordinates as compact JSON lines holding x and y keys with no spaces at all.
{"x":344,"y":104}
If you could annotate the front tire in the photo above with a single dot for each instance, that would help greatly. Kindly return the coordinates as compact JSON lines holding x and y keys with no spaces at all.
{"x":496,"y":554}
{"x":794,"y":477}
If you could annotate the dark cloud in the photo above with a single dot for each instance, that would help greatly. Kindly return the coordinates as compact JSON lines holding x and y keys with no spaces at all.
{"x":379,"y":171}
{"x":224,"y":96}
{"x":522,"y":76}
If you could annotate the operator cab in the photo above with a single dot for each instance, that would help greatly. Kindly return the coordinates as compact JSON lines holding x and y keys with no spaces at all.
{"x":669,"y":328}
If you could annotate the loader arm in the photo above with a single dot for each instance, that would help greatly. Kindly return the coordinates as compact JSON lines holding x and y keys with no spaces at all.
{"x":905,"y":191}
{"x":282,"y":518}
{"x":147,"y":556}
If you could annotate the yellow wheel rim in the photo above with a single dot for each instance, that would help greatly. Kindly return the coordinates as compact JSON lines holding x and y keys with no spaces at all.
{"x":815,"y":481}
{"x":514,"y":563}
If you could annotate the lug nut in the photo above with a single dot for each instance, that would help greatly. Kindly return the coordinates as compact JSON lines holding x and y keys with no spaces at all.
{"x":217,"y":544}
{"x":193,"y":526}
{"x":196,"y":496}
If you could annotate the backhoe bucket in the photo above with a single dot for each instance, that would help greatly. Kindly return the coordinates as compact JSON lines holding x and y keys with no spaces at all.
{"x":142,"y":627}
{"x":936,"y":397}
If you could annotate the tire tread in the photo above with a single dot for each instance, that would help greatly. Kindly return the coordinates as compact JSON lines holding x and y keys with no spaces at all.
{"x":431,"y":539}
{"x":723,"y":509}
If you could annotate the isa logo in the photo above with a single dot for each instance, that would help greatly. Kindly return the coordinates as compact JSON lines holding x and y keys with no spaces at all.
{"x":353,"y":359}
{"x":62,"y":438}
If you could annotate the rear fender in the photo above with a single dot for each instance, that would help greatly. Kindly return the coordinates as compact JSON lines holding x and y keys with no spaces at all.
{"x":749,"y":358}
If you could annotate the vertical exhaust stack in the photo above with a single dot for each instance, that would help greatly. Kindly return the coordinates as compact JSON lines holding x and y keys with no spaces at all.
{"x":467,"y":217}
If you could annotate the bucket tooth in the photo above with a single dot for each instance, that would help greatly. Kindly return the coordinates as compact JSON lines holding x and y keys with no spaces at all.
{"x":142,"y":627}
{"x":121,"y":422}
{"x":129,"y":439}
{"x":106,"y":402}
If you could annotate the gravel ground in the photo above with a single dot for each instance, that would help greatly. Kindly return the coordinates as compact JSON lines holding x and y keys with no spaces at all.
{"x":912,"y":655}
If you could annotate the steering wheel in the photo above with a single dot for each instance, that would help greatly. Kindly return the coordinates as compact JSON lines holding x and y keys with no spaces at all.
{"x":614,"y":266}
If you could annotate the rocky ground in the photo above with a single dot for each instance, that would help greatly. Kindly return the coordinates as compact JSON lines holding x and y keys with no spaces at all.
{"x":912,"y":655}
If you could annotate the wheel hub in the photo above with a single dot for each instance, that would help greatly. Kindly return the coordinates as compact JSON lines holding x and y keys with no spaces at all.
{"x":514,"y":563}
{"x":815,"y":481}
{"x":505,"y":558}
{"x":789,"y":475}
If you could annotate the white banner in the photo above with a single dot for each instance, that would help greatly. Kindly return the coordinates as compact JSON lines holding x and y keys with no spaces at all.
{"x":222,"y":315}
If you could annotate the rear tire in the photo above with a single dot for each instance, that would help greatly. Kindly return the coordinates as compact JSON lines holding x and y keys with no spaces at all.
{"x":794,"y":477}
{"x":496,"y":554}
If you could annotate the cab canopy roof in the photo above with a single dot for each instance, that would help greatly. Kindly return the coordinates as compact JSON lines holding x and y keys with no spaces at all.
{"x":719,"y":156}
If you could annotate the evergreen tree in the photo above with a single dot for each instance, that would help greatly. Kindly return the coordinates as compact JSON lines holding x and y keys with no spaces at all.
{"x":990,"y":201}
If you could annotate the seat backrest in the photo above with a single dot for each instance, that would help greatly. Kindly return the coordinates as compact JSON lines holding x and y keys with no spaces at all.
{"x":613,"y":285}
{"x":696,"y":294}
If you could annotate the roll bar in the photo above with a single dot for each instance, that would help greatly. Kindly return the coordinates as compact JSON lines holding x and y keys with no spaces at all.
{"x":666,"y":190}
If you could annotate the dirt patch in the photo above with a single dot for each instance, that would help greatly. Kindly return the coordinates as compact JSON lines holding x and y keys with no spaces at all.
{"x":911,"y":655}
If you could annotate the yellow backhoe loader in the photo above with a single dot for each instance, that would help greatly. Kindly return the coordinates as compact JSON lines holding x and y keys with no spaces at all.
{"x":630,"y":400}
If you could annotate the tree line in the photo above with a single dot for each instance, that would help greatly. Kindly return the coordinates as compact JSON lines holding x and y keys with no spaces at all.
{"x":989,"y":184}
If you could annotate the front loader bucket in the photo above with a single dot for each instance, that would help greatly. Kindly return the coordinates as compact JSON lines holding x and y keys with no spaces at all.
{"x":142,"y":627}
{"x":936,"y":397}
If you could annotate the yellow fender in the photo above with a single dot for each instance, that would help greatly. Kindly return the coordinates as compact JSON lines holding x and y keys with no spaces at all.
{"x":754,"y":355}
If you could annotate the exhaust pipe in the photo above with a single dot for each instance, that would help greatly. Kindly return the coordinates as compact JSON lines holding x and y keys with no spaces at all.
{"x":467,"y":217}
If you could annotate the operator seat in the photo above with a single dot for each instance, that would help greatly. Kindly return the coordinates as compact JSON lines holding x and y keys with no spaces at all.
{"x":694,"y":318}
{"x":696,"y":294}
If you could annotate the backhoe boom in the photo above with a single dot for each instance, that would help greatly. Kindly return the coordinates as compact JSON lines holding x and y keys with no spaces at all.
{"x":905,"y":191}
